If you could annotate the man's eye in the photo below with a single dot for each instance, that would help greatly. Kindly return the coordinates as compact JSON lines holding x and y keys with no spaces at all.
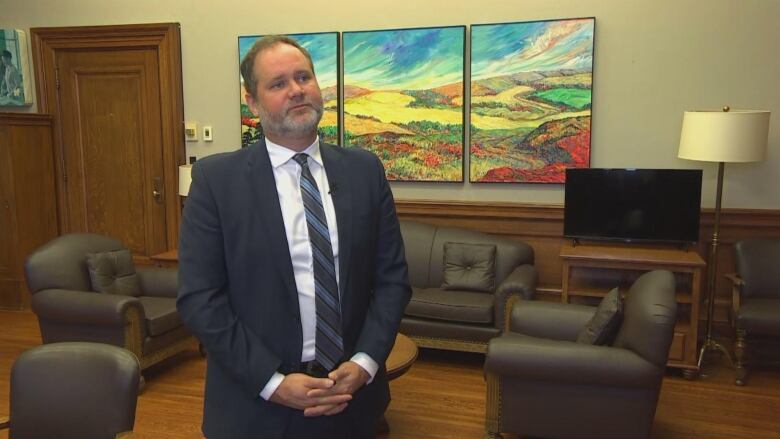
{"x":303,"y":77}
{"x":277,"y":84}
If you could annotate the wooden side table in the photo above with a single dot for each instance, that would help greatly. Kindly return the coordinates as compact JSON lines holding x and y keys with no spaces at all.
{"x":591,"y":270}
{"x":169,"y":259}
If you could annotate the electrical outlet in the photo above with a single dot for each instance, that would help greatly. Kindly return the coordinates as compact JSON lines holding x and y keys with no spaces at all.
{"x":207,"y":133}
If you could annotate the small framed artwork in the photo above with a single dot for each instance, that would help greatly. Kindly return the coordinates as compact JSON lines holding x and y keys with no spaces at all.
{"x":324,"y":50}
{"x":403,"y":100}
{"x":531,"y":95}
{"x":14,"y":69}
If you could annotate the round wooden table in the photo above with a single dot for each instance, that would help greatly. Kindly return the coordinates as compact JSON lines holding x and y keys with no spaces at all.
{"x":401,"y":357}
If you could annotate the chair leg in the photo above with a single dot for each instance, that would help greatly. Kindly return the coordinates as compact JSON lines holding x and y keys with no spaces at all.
{"x":141,"y":384}
{"x":492,"y":407}
{"x":739,"y":353}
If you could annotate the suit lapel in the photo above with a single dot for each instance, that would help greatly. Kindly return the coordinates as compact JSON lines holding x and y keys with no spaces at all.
{"x":263,"y":187}
{"x":341,"y":194}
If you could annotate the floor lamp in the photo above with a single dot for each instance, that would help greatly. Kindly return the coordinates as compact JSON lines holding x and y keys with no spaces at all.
{"x":185,"y":179}
{"x":723,"y":137}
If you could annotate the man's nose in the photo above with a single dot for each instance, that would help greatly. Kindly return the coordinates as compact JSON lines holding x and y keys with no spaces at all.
{"x":295,"y":89}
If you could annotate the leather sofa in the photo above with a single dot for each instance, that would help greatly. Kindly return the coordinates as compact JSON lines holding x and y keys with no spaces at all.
{"x":457,"y":317}
{"x":69,"y":308}
{"x":542,"y":382}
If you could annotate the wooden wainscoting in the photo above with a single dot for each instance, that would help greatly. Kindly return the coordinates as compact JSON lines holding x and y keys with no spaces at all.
{"x":28,"y":213}
{"x":541,"y":226}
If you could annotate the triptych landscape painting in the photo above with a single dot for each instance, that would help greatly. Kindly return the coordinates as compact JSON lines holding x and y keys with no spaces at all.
{"x":323,"y":48}
{"x":531,"y":94}
{"x":403,"y":100}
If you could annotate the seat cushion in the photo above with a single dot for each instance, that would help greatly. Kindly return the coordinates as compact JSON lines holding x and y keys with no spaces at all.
{"x":161,"y":315}
{"x":760,"y":317}
{"x":451,"y":305}
{"x":604,"y":325}
{"x":470,"y":267}
{"x":113,"y":273}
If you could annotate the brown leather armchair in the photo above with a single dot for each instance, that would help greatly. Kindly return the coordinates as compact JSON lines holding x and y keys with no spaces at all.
{"x":454,"y":317}
{"x":756,"y":299}
{"x":541,"y":382}
{"x":68,"y":308}
{"x":73,"y":391}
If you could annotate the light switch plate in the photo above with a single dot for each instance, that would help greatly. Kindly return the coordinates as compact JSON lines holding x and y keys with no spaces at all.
{"x":207,"y":132}
{"x":191,"y":131}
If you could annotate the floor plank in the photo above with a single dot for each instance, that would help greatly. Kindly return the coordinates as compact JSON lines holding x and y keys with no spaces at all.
{"x":442,"y":396}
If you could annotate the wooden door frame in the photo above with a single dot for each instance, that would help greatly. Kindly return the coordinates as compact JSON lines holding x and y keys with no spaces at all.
{"x":165,"y":38}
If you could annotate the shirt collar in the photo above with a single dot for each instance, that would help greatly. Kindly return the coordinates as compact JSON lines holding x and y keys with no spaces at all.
{"x":280,"y":155}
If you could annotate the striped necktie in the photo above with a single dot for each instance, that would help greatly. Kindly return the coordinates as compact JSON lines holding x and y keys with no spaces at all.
{"x":328,"y":342}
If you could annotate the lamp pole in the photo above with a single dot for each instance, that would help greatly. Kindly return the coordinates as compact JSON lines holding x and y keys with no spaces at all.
{"x":709,"y":342}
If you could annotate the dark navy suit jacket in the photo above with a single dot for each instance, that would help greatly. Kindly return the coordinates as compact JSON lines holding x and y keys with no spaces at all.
{"x":237,"y":291}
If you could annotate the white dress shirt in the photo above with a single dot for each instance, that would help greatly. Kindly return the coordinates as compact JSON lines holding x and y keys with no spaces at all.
{"x":287,"y":173}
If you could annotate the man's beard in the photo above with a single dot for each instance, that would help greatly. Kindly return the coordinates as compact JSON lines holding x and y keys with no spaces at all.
{"x":284,"y":124}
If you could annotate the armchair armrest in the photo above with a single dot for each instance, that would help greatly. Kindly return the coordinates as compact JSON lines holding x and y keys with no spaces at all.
{"x":521,"y":283}
{"x":158,"y":282}
{"x":736,"y":292}
{"x":4,"y":422}
{"x":553,"y":320}
{"x":83,"y":307}
{"x":532,"y":358}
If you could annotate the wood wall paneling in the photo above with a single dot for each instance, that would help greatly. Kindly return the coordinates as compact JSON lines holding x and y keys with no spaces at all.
{"x":28,"y":212}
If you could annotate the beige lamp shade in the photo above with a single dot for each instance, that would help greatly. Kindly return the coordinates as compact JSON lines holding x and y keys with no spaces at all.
{"x":724,"y":136}
{"x":185,"y":178}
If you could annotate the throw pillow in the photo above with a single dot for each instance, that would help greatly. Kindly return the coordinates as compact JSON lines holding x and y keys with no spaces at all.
{"x":603,"y":326}
{"x":113,"y":273}
{"x":470,"y":267}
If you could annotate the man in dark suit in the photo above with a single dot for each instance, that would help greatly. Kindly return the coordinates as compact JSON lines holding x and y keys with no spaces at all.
{"x":291,"y":269}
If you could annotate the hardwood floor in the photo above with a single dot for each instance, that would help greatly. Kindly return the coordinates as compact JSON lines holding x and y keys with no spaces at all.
{"x":442,"y":396}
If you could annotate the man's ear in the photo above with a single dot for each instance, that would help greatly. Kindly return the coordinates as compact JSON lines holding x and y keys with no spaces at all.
{"x":252,"y":103}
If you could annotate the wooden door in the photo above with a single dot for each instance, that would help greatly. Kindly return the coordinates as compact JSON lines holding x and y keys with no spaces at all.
{"x":115,"y":95}
{"x":112,"y":148}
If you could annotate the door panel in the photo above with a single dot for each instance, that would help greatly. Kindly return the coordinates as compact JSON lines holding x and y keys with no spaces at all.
{"x":112,"y":145}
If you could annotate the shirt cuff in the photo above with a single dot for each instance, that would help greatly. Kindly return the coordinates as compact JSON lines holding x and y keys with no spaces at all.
{"x":271,"y":386}
{"x":367,"y":363}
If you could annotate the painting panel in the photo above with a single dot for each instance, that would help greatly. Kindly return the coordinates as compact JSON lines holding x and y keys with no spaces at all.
{"x":403,"y":100}
{"x":14,"y":69}
{"x":531,"y":96}
{"x":323,"y":48}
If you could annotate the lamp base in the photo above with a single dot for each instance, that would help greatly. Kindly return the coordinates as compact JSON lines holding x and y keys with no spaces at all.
{"x":710,"y":344}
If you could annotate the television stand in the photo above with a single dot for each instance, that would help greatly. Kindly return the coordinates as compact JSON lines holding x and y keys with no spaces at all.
{"x":592,"y":270}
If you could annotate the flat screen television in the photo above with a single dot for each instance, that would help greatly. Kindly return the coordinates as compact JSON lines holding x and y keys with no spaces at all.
{"x":633,"y":205}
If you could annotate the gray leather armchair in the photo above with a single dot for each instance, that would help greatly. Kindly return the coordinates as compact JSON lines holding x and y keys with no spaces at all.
{"x":756,"y":299}
{"x":68,"y":309}
{"x":541,"y":382}
{"x":457,"y":318}
{"x":73,"y":391}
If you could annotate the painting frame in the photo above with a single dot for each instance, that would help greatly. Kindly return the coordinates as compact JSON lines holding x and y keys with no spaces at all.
{"x":15,"y":77}
{"x":531,"y":100}
{"x":327,"y":67}
{"x":414,"y":124}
